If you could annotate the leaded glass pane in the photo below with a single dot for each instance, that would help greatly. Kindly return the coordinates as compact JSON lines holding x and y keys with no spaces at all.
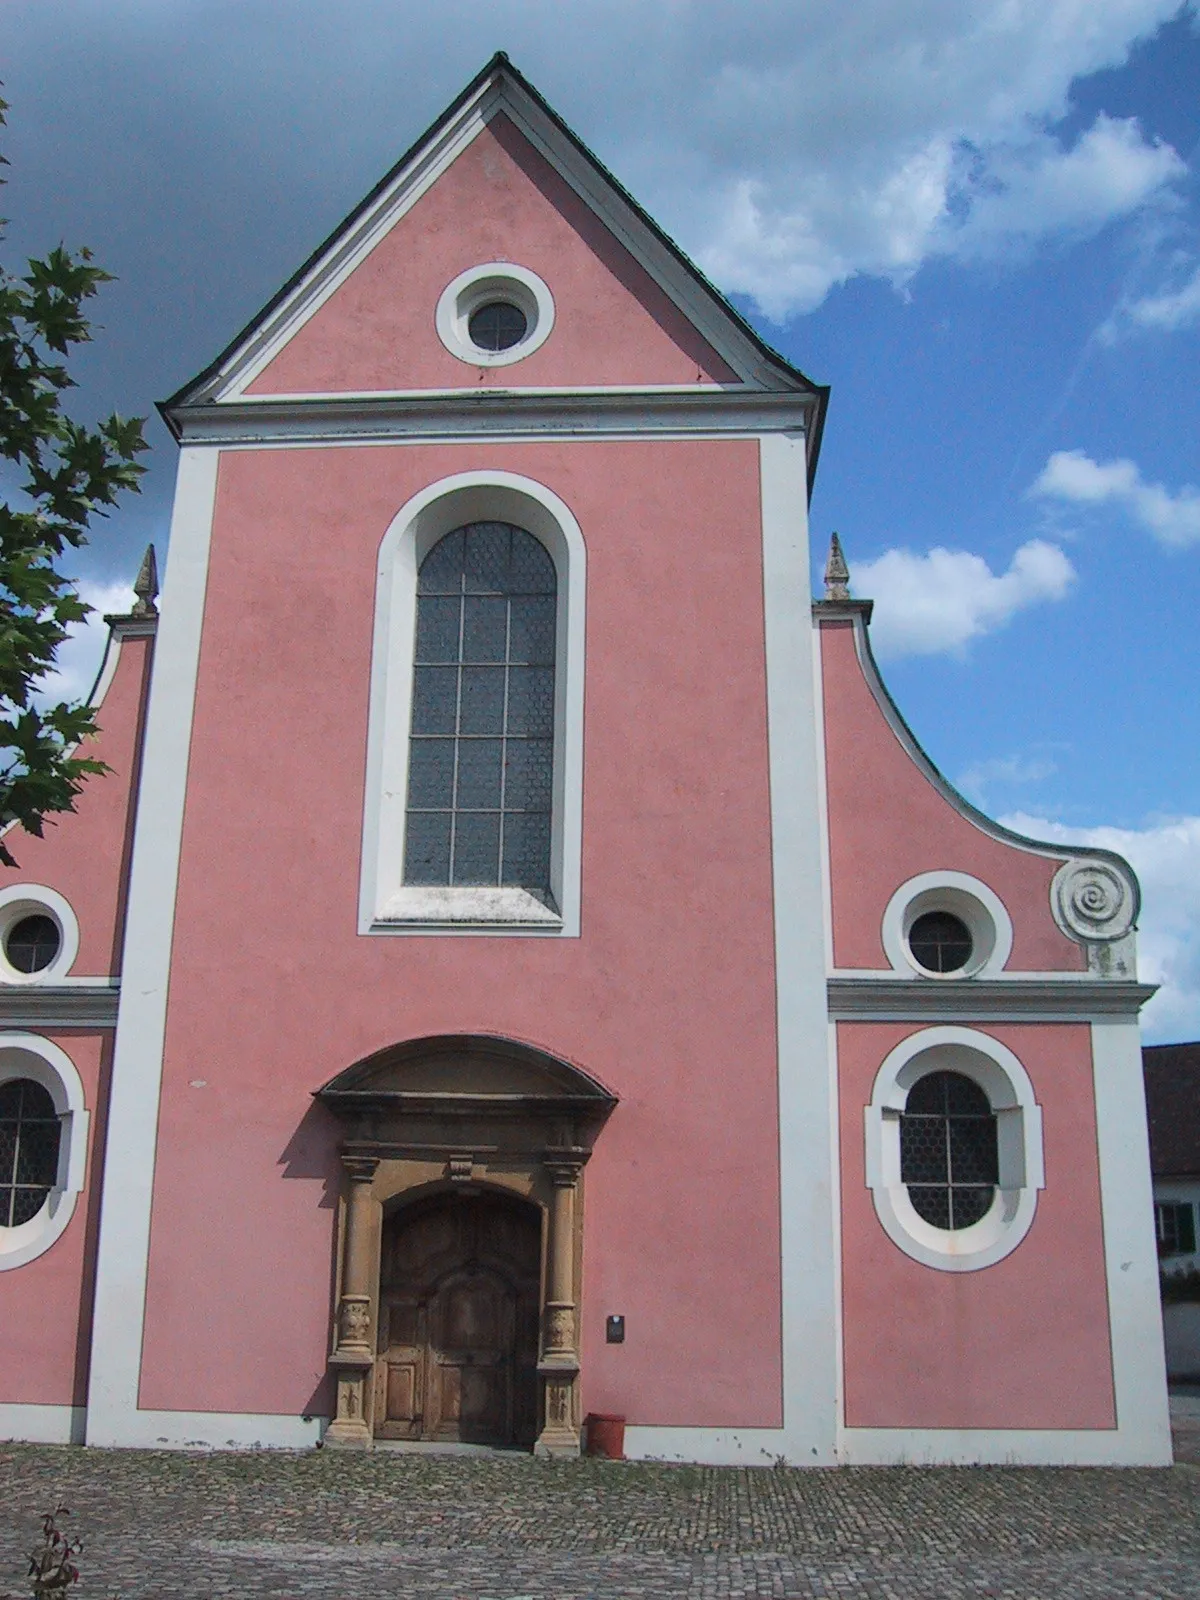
{"x":29,"y":1141}
{"x":485,"y":627}
{"x":427,"y":847}
{"x":528,"y":774}
{"x":477,"y":847}
{"x":482,"y":752}
{"x":435,"y":692}
{"x":479,"y":765}
{"x":430,"y":772}
{"x":441,"y":570}
{"x":532,"y":629}
{"x":949,"y":1155}
{"x":940,"y":942}
{"x":482,"y":707}
{"x":437,"y":628}
{"x":531,"y":701}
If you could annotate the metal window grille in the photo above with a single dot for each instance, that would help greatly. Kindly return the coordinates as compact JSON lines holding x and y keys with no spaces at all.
{"x":1175,"y":1225}
{"x":949,"y":1159}
{"x":32,"y":943}
{"x":940,"y":942}
{"x":481,"y":754}
{"x":29,"y":1137}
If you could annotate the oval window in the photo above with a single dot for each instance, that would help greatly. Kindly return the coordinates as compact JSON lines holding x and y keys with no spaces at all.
{"x":498,"y":325}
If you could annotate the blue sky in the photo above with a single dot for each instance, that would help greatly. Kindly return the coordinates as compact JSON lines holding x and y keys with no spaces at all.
{"x":978,"y":220}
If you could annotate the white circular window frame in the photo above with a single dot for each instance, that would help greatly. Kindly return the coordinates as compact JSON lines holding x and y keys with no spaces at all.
{"x":26,"y":1055}
{"x":30,"y":900}
{"x":963,"y":896}
{"x":1004,"y":1080}
{"x":479,"y":286}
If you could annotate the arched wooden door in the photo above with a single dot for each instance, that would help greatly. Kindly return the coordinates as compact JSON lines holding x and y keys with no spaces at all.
{"x":459,"y":1294}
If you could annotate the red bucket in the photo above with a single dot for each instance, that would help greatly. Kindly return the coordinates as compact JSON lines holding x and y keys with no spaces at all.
{"x":605,"y":1436}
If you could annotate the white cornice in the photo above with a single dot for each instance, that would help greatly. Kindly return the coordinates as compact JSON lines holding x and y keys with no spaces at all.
{"x":76,"y":1005}
{"x":984,"y":1000}
{"x":471,"y":415}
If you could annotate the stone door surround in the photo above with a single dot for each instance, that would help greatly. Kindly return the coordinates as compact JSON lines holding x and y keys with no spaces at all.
{"x":462,"y":1109}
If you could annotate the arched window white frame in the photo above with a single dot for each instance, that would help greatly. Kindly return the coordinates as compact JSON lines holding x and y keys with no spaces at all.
{"x":20,"y":900}
{"x":964,"y":897}
{"x":386,"y":904}
{"x":1004,"y":1080}
{"x":25,"y":1055}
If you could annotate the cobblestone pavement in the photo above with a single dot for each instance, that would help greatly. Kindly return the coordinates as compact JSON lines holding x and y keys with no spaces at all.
{"x":348,"y":1527}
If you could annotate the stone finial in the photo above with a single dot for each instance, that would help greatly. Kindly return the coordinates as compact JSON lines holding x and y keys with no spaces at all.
{"x":837,"y":573}
{"x":145,"y":586}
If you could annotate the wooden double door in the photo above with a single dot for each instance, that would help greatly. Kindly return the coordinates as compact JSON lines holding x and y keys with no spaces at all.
{"x":459,"y":1299}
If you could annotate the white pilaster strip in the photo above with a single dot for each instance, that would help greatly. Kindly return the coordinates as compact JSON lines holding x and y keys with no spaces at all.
{"x":1130,"y":1253}
{"x":807,"y":1171}
{"x":123,"y":1255}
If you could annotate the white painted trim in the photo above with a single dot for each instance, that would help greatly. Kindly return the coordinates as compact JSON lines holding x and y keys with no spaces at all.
{"x":28,"y":899}
{"x":209,"y":1430}
{"x":123,"y":1253}
{"x":1001,"y":1447}
{"x":1004,"y":1080}
{"x":386,"y":905}
{"x":806,"y":1116}
{"x":968,"y":898}
{"x":35,"y":1424}
{"x":27,"y":1055}
{"x":1130,"y":1251}
{"x":478,"y":286}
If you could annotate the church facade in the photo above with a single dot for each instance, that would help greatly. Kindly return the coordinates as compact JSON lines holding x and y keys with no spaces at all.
{"x":520,"y":964}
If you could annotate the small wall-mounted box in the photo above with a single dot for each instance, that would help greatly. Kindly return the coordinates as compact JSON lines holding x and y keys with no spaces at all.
{"x":614,"y":1330}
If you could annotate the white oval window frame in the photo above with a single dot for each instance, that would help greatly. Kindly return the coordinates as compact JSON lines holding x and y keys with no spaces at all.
{"x":494,"y":280}
{"x":34,"y":899}
{"x":981,"y":908}
{"x":27,"y":1055}
{"x":1010,"y":1093}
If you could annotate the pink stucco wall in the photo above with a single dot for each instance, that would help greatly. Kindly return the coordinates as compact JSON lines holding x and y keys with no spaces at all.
{"x":1022,"y":1344}
{"x":45,"y":1305}
{"x":499,"y":201}
{"x":666,"y":998}
{"x":887,"y":823}
{"x":84,"y":853}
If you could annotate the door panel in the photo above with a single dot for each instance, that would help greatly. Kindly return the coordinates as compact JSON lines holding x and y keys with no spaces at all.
{"x":458,"y":1320}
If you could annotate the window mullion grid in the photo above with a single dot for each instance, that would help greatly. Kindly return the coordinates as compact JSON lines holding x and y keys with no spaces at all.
{"x":504,"y":730}
{"x":458,"y":689}
{"x":16,"y":1159}
{"x":949,"y":1168}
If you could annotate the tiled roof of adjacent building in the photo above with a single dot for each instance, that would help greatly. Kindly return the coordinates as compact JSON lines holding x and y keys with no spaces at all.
{"x":1173,"y":1108}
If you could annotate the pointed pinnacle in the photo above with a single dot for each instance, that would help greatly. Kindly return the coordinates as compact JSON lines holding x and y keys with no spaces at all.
{"x":837,"y":573}
{"x":145,"y":586}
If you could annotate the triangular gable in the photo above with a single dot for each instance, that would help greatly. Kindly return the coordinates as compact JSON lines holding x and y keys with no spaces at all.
{"x":499,"y":130}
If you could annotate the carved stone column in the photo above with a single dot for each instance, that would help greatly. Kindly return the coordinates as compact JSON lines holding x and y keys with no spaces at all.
{"x":354,"y":1353}
{"x":559,"y":1366}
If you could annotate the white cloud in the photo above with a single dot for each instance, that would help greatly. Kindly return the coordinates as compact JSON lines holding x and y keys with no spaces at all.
{"x":940,"y":601}
{"x":790,"y":144}
{"x":1072,"y":476}
{"x":1007,"y":771}
{"x":1166,"y":857}
{"x":80,"y":655}
{"x":1164,"y":312}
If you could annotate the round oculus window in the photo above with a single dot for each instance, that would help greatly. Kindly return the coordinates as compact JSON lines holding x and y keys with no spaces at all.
{"x":32,"y":943}
{"x":497,"y":325}
{"x":940,"y":942}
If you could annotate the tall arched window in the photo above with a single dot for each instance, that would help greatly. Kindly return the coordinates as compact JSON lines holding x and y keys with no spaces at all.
{"x":29,"y":1138}
{"x":481,"y":758}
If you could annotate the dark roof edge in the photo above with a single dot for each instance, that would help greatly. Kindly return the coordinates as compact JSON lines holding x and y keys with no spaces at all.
{"x":501,"y":62}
